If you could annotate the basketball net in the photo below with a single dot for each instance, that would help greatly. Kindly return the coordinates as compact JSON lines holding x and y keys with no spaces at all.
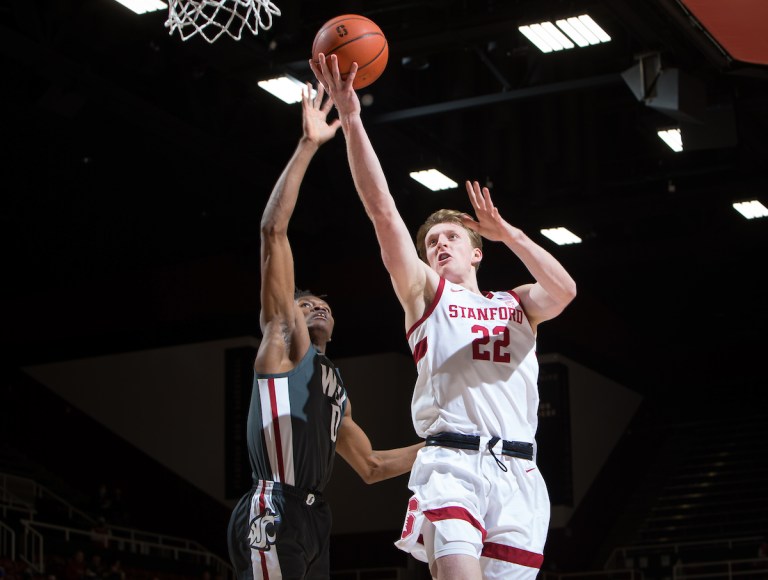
{"x":212,"y":18}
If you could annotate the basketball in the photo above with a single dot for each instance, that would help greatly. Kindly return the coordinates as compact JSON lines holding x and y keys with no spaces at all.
{"x":353,"y":38}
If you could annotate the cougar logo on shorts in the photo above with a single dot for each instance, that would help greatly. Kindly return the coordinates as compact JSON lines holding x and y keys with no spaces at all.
{"x":263,"y":530}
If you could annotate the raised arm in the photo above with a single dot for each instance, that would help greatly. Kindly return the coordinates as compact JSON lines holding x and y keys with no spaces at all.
{"x":284,"y":341}
{"x":554,"y":288}
{"x":414,"y":282}
{"x":371,"y":465}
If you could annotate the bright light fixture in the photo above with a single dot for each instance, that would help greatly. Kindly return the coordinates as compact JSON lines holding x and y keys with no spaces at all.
{"x":555,"y":37}
{"x":433,"y":179}
{"x":531,"y":33}
{"x":592,"y":26}
{"x":142,"y":6}
{"x":751,"y":209}
{"x":286,"y":88}
{"x":673,"y":138}
{"x":561,"y":236}
{"x":582,"y":30}
{"x":576,"y":33}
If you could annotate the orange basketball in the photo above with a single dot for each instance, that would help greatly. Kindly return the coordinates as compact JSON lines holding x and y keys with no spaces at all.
{"x":353,"y":38}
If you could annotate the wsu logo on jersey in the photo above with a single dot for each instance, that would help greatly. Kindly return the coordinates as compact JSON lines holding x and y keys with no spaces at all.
{"x":263,"y":530}
{"x":333,"y":389}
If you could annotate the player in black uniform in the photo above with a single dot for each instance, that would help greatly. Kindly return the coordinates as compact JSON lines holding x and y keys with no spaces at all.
{"x":299,"y":415}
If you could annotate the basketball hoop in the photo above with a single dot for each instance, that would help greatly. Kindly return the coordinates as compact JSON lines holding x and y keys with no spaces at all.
{"x":212,"y":18}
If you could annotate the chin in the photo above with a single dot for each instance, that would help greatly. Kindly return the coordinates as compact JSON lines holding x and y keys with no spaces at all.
{"x":319,"y":333}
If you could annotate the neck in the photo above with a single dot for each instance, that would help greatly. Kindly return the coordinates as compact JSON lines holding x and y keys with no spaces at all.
{"x":469,"y":282}
{"x":320,"y":345}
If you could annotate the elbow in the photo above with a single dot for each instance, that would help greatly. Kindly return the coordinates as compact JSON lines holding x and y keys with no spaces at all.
{"x":569,"y":291}
{"x":373,"y":475}
{"x":373,"y":472}
{"x":270,"y":230}
{"x":381,"y":208}
{"x":370,"y":478}
{"x":561,"y":297}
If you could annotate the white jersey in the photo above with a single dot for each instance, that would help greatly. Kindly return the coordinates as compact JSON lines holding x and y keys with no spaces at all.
{"x":476,"y":360}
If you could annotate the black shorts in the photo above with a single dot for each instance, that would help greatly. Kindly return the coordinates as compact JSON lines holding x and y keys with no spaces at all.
{"x":277,"y":530}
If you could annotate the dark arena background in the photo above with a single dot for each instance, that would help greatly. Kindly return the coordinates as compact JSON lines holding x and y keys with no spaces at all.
{"x":135,"y":168}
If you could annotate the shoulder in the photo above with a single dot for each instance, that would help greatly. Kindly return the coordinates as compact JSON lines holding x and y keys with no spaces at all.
{"x":281,"y":351}
{"x":519,"y":293}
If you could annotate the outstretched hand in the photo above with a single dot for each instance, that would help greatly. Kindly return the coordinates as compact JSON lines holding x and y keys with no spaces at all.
{"x":315,"y":114}
{"x":340,"y":90}
{"x":489,"y":223}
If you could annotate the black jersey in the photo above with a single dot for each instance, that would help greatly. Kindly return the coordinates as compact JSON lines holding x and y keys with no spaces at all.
{"x":293,"y":421}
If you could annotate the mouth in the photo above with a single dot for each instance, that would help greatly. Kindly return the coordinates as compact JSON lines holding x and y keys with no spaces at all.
{"x":320,"y":316}
{"x":443,"y":257}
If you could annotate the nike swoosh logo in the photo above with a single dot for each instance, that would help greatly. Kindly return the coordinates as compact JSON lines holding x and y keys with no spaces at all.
{"x":529,"y":470}
{"x":455,"y":290}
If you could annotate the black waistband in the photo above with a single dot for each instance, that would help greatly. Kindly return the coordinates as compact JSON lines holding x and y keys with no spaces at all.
{"x":518,"y":449}
{"x":308,"y":496}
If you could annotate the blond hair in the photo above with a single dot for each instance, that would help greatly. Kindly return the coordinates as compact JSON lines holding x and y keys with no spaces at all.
{"x":443,"y":216}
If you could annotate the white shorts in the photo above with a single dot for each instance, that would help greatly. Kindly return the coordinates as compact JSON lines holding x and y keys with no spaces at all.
{"x":464,"y":496}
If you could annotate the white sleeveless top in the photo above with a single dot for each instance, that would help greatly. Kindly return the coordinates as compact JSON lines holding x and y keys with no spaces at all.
{"x":476,"y":360}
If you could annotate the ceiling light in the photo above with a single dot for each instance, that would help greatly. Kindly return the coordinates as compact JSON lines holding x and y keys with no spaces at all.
{"x":673,"y":138}
{"x":582,"y":30}
{"x":561,"y":236}
{"x":533,"y":36}
{"x":286,"y":88}
{"x":555,"y":37}
{"x":142,"y":6}
{"x":433,"y":179}
{"x":751,"y":209}
{"x":572,"y":31}
{"x":592,"y":26}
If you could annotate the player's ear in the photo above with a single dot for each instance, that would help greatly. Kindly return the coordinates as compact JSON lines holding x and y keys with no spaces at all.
{"x":477,"y":257}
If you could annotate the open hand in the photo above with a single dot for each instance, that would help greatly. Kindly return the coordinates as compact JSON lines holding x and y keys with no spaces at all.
{"x":489,"y":223}
{"x":340,"y":90}
{"x":315,"y":114}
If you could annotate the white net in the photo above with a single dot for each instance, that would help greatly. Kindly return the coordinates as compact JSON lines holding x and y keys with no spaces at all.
{"x":212,"y":18}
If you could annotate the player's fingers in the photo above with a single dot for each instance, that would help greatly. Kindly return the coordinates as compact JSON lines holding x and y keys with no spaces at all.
{"x":351,"y":76}
{"x":468,"y":221}
{"x":470,"y":192}
{"x":473,"y":188}
{"x":335,"y":74}
{"x":314,"y":100}
{"x":325,"y":69}
{"x":487,"y":199}
{"x":318,"y":72}
{"x":319,"y":95}
{"x":327,"y":105}
{"x":483,"y":200}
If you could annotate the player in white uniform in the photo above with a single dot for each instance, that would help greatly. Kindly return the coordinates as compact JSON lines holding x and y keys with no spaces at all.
{"x":480,"y":507}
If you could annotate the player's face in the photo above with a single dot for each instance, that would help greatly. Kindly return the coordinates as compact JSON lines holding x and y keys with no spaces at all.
{"x":317,"y":313}
{"x":449,"y":251}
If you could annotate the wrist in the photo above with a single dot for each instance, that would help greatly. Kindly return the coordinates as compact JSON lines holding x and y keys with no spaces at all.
{"x":309,"y":144}
{"x":515,"y":236}
{"x":348,"y":119}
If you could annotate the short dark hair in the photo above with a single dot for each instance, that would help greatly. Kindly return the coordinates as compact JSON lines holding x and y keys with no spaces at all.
{"x":299,"y":293}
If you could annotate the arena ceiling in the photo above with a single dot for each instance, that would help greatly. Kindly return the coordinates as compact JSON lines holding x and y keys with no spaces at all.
{"x":136,"y":167}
